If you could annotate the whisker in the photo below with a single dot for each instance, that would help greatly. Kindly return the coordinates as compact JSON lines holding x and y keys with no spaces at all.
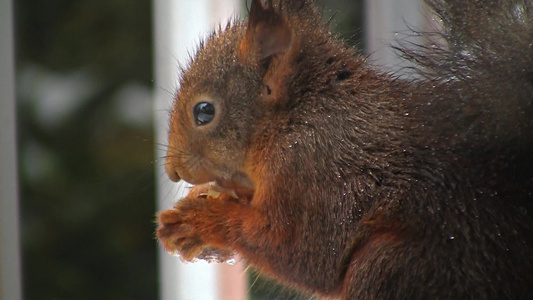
{"x":257,"y":275}
{"x":169,"y":92}
{"x":165,"y":110}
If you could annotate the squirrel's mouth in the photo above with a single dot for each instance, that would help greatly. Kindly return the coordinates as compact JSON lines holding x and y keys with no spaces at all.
{"x":218,"y":192}
{"x":234,"y":184}
{"x":239,"y":187}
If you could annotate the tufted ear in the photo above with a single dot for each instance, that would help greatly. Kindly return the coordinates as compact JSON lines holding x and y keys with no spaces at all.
{"x":268,"y":31}
{"x":271,"y":43}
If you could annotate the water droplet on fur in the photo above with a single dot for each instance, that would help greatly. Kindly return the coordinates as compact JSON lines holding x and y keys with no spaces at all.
{"x":451,"y":237}
{"x":519,"y":13}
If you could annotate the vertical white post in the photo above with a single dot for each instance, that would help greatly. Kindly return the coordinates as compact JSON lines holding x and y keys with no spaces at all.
{"x":10,"y":286}
{"x":387,"y":21}
{"x":179,"y":26}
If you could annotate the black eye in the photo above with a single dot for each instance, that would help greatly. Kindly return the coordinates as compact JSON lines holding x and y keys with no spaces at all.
{"x":204,"y":112}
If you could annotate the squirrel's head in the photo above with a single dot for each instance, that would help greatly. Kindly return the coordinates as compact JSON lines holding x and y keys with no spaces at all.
{"x":236,"y":80}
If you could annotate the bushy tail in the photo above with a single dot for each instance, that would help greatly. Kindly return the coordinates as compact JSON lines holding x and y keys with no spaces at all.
{"x":479,"y":68}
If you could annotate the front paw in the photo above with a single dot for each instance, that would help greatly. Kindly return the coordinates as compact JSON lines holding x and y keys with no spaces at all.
{"x":177,"y":235}
{"x":200,"y":223}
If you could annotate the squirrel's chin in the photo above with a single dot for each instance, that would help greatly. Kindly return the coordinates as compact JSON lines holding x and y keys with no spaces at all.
{"x":194,"y":180}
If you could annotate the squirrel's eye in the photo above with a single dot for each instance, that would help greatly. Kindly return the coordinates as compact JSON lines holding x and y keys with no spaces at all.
{"x":204,"y":112}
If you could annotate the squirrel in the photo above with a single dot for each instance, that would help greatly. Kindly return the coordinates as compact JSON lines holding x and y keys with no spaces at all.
{"x":348,"y":182}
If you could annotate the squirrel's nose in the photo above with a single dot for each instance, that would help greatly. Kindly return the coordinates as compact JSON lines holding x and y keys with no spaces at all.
{"x":172,"y":172}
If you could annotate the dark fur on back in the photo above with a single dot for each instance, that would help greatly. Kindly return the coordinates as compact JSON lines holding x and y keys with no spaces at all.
{"x":472,"y":106}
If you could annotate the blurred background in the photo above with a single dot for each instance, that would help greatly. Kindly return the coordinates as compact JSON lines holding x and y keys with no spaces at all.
{"x":85,"y":146}
{"x":84,"y":96}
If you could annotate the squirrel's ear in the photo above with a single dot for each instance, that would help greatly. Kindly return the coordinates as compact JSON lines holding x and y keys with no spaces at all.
{"x":268,"y":31}
{"x":271,"y":43}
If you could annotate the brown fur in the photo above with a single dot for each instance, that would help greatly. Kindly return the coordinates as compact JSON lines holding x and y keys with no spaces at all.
{"x":355,"y":184}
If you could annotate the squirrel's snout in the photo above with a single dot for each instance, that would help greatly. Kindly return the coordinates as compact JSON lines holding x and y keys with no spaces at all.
{"x":172,"y":172}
